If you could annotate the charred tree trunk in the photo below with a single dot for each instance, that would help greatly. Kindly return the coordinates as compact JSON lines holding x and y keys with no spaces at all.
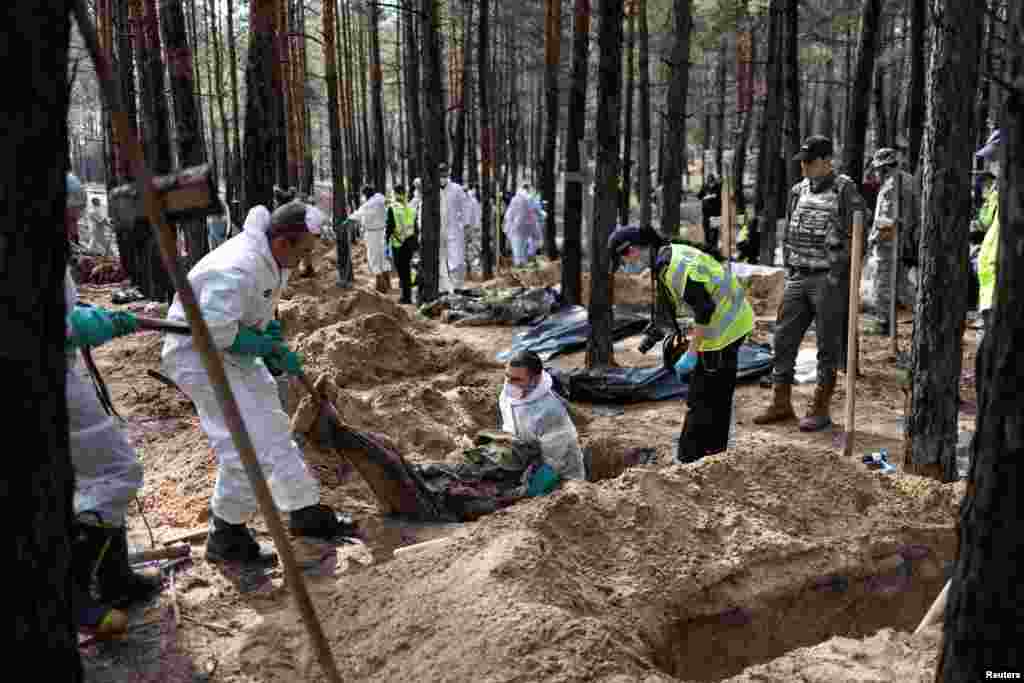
{"x":377,"y":85}
{"x":412,"y":92}
{"x":572,"y":277}
{"x":609,"y":100}
{"x":334,"y":122}
{"x":792,"y":76}
{"x":627,"y":122}
{"x":37,"y":491}
{"x":260,"y":117}
{"x":488,"y":142}
{"x":675,"y":132}
{"x":236,"y":154}
{"x":371,"y":156}
{"x":882,"y":136}
{"x":859,"y":103}
{"x":984,"y":623}
{"x":768,"y":182}
{"x":946,"y":202}
{"x":553,"y":55}
{"x":644,"y":151}
{"x":221,"y":110}
{"x":720,"y":86}
{"x":433,"y":151}
{"x":191,"y":148}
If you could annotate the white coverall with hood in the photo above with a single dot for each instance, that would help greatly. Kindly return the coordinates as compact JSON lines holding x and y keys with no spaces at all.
{"x":541,"y":415}
{"x":373,"y":215}
{"x":474,"y":237}
{"x":521,"y":226}
{"x":452,"y":257}
{"x":108,"y":473}
{"x":240,"y":283}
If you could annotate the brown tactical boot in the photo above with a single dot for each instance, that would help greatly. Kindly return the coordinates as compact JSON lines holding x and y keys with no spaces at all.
{"x":379,"y":283}
{"x":781,"y":407}
{"x":818,"y":416}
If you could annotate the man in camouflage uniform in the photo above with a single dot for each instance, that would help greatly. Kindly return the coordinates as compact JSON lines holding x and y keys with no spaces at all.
{"x":896,"y":207}
{"x":819,"y":228}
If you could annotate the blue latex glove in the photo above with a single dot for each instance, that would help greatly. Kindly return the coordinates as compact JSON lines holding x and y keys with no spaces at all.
{"x":685,"y":365}
{"x":91,"y":326}
{"x":252,"y":342}
{"x":285,"y":359}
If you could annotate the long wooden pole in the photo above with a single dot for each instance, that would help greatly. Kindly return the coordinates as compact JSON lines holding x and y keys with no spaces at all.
{"x":852,"y":332}
{"x":212,"y":360}
{"x":894,"y":324}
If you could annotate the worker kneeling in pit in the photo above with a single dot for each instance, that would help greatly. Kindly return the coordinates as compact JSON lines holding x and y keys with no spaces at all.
{"x":532,"y":411}
{"x":688,"y":278}
{"x":238,"y":287}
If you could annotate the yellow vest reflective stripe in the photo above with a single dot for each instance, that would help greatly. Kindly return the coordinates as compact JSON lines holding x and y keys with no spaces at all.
{"x":733,"y":317}
{"x":987,"y":266}
{"x":405,"y":222}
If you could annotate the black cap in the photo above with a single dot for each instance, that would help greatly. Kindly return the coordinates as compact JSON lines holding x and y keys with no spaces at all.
{"x":814,"y":147}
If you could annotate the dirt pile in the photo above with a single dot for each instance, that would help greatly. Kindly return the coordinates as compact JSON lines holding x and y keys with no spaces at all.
{"x":629,"y":288}
{"x":692,"y":573}
{"x":302,"y":313}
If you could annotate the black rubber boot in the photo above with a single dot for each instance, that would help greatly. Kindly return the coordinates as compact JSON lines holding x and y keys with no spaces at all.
{"x":119,"y":584}
{"x":227,"y":542}
{"x":92,"y":616}
{"x":320,"y":521}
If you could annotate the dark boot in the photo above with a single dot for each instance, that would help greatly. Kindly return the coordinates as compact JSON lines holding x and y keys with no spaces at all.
{"x":781,"y":407}
{"x":320,"y":521}
{"x":227,"y":542}
{"x":818,"y":416}
{"x":88,"y":544}
{"x":119,"y":584}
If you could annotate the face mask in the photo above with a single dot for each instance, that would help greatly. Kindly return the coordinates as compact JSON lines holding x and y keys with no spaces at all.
{"x":516,"y":392}
{"x":633,"y":268}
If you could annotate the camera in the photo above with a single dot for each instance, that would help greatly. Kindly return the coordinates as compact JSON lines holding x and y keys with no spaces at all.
{"x":652,"y":335}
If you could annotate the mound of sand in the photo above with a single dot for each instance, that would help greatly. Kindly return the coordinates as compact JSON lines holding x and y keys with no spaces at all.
{"x":685,"y":572}
{"x":629,"y":288}
{"x":302,"y":314}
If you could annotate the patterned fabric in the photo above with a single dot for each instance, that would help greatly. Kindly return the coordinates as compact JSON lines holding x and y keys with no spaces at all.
{"x":820,"y":224}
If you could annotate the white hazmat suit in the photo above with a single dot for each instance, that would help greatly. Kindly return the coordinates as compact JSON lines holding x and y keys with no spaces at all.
{"x":541,"y":415}
{"x":240,"y":284}
{"x":454,"y":217}
{"x":521,"y":226}
{"x":97,"y":237}
{"x":108,"y":473}
{"x":373,"y":216}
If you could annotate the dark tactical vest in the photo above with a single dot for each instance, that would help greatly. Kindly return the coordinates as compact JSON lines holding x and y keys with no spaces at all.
{"x":814,"y":224}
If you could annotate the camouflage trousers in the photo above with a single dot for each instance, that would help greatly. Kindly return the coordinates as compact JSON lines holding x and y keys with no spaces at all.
{"x":474,"y":247}
{"x":883,"y":281}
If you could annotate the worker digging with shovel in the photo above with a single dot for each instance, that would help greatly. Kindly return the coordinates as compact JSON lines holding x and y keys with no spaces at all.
{"x":237,"y":288}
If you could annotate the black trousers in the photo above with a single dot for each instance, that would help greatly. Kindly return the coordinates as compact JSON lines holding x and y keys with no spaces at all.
{"x":712,"y":385}
{"x":343,"y":249}
{"x":403,"y":264}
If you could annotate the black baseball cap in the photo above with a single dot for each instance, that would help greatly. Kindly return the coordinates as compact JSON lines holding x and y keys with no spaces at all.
{"x":814,"y":147}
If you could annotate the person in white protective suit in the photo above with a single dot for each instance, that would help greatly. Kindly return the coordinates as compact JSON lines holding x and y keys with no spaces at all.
{"x":531,"y":410}
{"x":238,"y":287}
{"x":454,"y":218}
{"x":474,"y":235}
{"x":417,"y":197}
{"x":97,"y":236}
{"x":373,"y":216}
{"x":521,"y":225}
{"x":108,"y":474}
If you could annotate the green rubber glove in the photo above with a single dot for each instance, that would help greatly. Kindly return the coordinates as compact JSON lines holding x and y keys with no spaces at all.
{"x":124,"y":322}
{"x":273,"y":331}
{"x":90,"y":327}
{"x":285,"y":359}
{"x":251,"y":342}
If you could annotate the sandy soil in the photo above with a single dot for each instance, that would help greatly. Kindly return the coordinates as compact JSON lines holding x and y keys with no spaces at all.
{"x":777,"y":561}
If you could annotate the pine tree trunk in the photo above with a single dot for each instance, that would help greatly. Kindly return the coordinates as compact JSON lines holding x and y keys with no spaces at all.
{"x":720,"y":83}
{"x":946,"y":202}
{"x":575,"y":173}
{"x":859,"y":106}
{"x":377,"y":84}
{"x":553,"y":56}
{"x":37,"y":491}
{"x":334,"y":119}
{"x":984,"y":623}
{"x":792,"y":76}
{"x":236,"y":153}
{"x":472,"y":172}
{"x":412,"y":93}
{"x":260,"y":119}
{"x":644,"y":150}
{"x":627,"y":124}
{"x":221,"y":110}
{"x":882,"y":135}
{"x":609,"y":101}
{"x":675,"y":133}
{"x":767,"y":203}
{"x":487,"y":146}
{"x":433,"y":151}
{"x":371,"y":155}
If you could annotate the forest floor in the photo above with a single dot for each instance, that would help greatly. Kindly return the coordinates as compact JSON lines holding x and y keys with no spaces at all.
{"x":777,"y":561}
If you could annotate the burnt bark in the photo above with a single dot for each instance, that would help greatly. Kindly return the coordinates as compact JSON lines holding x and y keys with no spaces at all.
{"x":260,"y":119}
{"x":37,"y":491}
{"x":412,"y":92}
{"x":859,"y":107}
{"x":984,"y":623}
{"x":946,"y":203}
{"x":377,"y":92}
{"x":675,"y":133}
{"x":487,"y":150}
{"x":627,"y":124}
{"x":433,"y":151}
{"x":644,"y":150}
{"x":572,"y":276}
{"x":768,"y":196}
{"x":609,"y":101}
{"x":552,"y":51}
